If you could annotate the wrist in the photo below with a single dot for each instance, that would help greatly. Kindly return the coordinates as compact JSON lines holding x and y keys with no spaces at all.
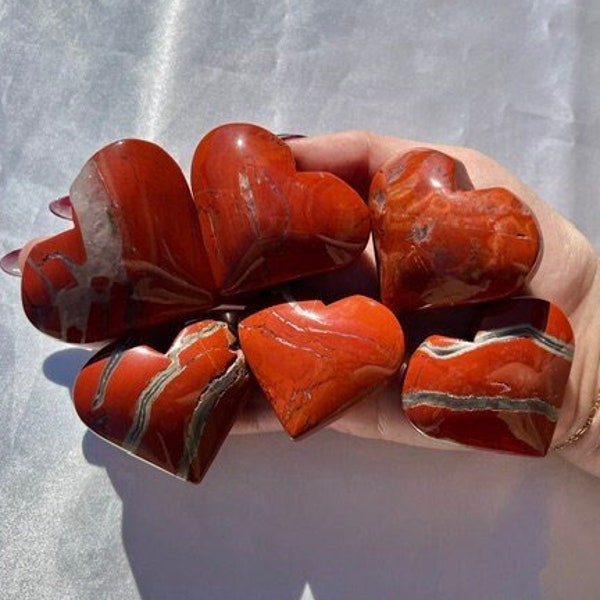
{"x":577,"y":435}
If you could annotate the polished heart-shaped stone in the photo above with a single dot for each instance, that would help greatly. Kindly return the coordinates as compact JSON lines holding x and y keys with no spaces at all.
{"x":172,"y":409}
{"x":134,"y":256}
{"x":440,"y":242}
{"x":313,"y":360}
{"x":503,"y":389}
{"x":263,"y":222}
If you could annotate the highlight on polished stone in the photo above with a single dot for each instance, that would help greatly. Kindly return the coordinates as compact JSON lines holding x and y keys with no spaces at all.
{"x":503,"y":389}
{"x":173,"y":408}
{"x":134,"y":256}
{"x":313,"y":360}
{"x":441,"y":242}
{"x":265,"y":223}
{"x":146,"y":255}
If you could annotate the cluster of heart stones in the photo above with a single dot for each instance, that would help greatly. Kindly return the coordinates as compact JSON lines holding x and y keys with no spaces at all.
{"x":149,"y":262}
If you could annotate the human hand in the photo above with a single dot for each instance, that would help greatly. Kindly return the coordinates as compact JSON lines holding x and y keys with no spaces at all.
{"x":568,"y":275}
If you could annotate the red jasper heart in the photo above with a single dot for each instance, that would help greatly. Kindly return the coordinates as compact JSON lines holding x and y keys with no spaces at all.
{"x":501,"y":391}
{"x":440,"y":242}
{"x":134,"y":257}
{"x":312,"y":360}
{"x":263,"y":222}
{"x":173,"y":410}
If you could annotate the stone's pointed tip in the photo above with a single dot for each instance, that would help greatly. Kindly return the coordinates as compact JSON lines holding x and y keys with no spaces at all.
{"x":62,"y":207}
{"x":285,"y":137}
{"x":10,"y":263}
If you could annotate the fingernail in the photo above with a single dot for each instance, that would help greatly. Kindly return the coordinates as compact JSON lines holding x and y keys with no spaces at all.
{"x":62,"y":208}
{"x":10,"y":263}
{"x":285,"y":137}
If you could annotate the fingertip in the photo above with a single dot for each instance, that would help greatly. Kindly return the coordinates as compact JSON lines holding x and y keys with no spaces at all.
{"x":289,"y":137}
{"x":27,"y":248}
{"x":9,"y":263}
{"x":345,"y":155}
{"x":353,"y":156}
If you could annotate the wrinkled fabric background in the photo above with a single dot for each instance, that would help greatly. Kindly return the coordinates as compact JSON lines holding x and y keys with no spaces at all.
{"x":333,"y":516}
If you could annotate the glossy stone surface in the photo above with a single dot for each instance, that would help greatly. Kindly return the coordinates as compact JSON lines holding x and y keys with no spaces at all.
{"x":134,"y":257}
{"x":312,"y":360}
{"x":263,"y":222}
{"x":172,"y":409}
{"x":500,"y":391}
{"x":440,"y":242}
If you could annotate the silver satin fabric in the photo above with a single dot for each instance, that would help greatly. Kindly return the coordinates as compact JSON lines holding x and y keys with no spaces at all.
{"x":332,"y":516}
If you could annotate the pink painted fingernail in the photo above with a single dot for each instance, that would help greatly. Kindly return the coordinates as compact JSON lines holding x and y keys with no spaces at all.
{"x":285,"y":137}
{"x":62,"y":208}
{"x":10,"y":263}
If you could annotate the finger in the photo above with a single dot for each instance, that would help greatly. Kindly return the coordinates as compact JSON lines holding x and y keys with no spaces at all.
{"x":256,"y":416}
{"x":14,"y":262}
{"x":27,"y":248}
{"x":353,"y":156}
{"x":379,"y":416}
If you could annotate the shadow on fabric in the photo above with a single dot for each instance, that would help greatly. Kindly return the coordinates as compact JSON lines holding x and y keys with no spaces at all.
{"x":341,"y":516}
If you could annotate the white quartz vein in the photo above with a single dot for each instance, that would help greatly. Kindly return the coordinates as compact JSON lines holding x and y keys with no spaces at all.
{"x":206,"y":404}
{"x":479,"y":403}
{"x":159,"y":382}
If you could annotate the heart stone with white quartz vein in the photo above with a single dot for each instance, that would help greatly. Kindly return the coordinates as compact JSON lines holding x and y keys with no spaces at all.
{"x":173,"y":409}
{"x":500,"y":391}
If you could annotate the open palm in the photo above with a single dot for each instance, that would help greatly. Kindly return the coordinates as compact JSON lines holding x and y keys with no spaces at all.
{"x":568,"y":275}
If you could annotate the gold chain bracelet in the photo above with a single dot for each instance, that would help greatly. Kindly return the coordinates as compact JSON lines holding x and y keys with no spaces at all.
{"x":583,"y":429}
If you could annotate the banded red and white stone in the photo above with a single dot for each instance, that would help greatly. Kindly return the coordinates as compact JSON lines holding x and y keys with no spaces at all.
{"x":134,"y":257}
{"x":171,"y":409}
{"x":503,"y":390}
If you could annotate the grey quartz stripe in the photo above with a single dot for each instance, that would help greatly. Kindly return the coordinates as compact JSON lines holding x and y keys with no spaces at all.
{"x":158,"y":383}
{"x":550,"y":342}
{"x":144,"y":406}
{"x":206,"y":404}
{"x":184,"y":342}
{"x":478,"y":403}
{"x":107,"y":373}
{"x":500,"y":336}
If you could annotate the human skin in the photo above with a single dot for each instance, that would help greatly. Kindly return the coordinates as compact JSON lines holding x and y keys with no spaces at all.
{"x":568,"y":275}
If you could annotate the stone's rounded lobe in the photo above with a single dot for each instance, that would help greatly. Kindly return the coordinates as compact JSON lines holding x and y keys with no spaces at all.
{"x":134,"y":257}
{"x":173,"y":410}
{"x":501,"y":391}
{"x":440,"y":242}
{"x":263,"y":222}
{"x":312,"y":360}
